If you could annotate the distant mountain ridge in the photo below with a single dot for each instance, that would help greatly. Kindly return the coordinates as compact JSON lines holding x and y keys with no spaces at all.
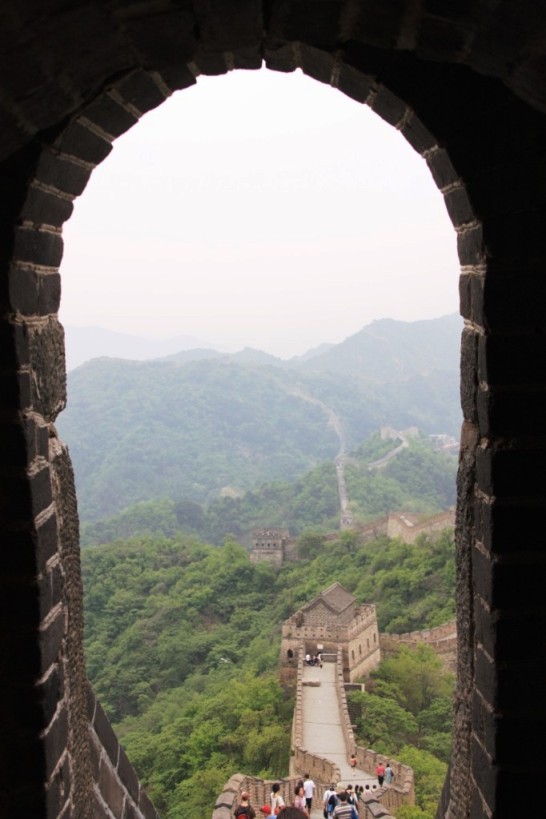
{"x":388,"y":350}
{"x":198,"y":422}
{"x":383,"y":350}
{"x":86,"y":343}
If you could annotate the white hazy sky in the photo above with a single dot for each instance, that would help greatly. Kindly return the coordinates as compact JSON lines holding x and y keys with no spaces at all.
{"x":259,"y":209}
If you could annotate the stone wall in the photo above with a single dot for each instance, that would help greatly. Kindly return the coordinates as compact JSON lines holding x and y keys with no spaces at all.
{"x":443,"y":639}
{"x":116,"y":789}
{"x":408,"y":530}
{"x":363,"y":647}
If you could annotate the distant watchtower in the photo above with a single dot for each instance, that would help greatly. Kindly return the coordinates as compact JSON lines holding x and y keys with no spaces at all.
{"x":269,"y":545}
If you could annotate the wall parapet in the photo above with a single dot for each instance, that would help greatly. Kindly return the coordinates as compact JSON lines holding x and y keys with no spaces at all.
{"x":115,"y":783}
{"x":402,"y":791}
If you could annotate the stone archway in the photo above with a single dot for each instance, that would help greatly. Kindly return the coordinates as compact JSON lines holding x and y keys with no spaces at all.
{"x":466,"y":88}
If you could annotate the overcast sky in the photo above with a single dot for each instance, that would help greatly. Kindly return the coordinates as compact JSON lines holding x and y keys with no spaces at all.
{"x":259,"y":209}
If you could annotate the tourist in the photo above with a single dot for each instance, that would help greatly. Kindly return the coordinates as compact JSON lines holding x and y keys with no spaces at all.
{"x":353,"y":761}
{"x":309,"y":789}
{"x":244,"y":808}
{"x":299,"y":798}
{"x":292,"y":813}
{"x":389,"y":774}
{"x":331,"y":791}
{"x":277,"y":802}
{"x":380,"y":773}
{"x":344,"y":810}
{"x":350,"y":795}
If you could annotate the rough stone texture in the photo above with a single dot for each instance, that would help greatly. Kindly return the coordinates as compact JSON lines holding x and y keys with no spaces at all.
{"x":466,"y":85}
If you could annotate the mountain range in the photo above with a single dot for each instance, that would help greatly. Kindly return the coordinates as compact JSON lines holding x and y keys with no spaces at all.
{"x":199,"y":423}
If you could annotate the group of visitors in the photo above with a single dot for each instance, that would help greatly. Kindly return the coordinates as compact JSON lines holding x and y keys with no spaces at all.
{"x":302,"y":802}
{"x":342,"y":803}
{"x":313,"y":659}
{"x":338,"y":803}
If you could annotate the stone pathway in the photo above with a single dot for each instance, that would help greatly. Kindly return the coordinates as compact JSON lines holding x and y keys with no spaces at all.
{"x":322,"y":732}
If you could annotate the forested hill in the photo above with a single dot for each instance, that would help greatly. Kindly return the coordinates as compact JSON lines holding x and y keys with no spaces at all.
{"x":182,"y":647}
{"x":197,"y":429}
{"x":418,"y":480}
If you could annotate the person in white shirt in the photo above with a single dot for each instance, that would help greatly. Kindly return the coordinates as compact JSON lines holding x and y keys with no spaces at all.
{"x":308,"y":789}
{"x":326,"y":798}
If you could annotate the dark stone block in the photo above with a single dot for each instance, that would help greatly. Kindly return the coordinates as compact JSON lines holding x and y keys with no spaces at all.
{"x":373,"y":22}
{"x":507,"y":413}
{"x":14,"y":346}
{"x":91,"y":702}
{"x":32,"y":293}
{"x":470,"y":246}
{"x":51,"y":590}
{"x":211,"y":64}
{"x":140,"y":90}
{"x":484,"y":772}
{"x":50,"y":692}
{"x":510,"y":527}
{"x":281,"y":58}
{"x":513,"y":299}
{"x":131,"y":811}
{"x":469,"y":381}
{"x":248,"y":59}
{"x":110,"y":116}
{"x":306,"y":21}
{"x":51,"y":638}
{"x":515,"y":236}
{"x":146,"y":806}
{"x":78,"y":141}
{"x":94,"y":752}
{"x":417,"y":135}
{"x":354,"y":84}
{"x":16,"y":500}
{"x":111,"y":790}
{"x":48,"y":360}
{"x":38,"y":247}
{"x":458,"y":207}
{"x":514,"y":473}
{"x":170,"y":40}
{"x":44,"y":208}
{"x":56,"y":741}
{"x":127,"y":775}
{"x":19,"y":604}
{"x":442,"y":169}
{"x":47,"y":541}
{"x":177,"y":77}
{"x":513,"y":360}
{"x":62,"y":173}
{"x":58,"y":791}
{"x":388,"y":106}
{"x":316,"y":64}
{"x":17,"y":440}
{"x":105,"y":733}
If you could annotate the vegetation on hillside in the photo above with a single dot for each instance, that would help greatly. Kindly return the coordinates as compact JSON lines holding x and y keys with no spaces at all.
{"x":405,"y":712}
{"x":182,"y":645}
{"x":196,"y":429}
{"x":418,"y":480}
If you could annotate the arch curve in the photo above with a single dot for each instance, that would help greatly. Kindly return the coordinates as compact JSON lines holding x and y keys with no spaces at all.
{"x":466,"y":87}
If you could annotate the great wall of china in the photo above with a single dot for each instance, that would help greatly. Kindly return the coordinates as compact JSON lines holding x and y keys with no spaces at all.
{"x":322,"y":733}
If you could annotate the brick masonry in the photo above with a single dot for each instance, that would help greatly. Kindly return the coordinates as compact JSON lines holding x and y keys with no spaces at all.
{"x":466,"y":86}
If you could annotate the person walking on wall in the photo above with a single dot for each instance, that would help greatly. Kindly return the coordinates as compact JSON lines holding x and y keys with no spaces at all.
{"x":344,"y":810}
{"x":299,"y":798}
{"x":380,"y":773}
{"x":277,"y":802}
{"x":309,"y":789}
{"x":244,"y":808}
{"x":389,"y":774}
